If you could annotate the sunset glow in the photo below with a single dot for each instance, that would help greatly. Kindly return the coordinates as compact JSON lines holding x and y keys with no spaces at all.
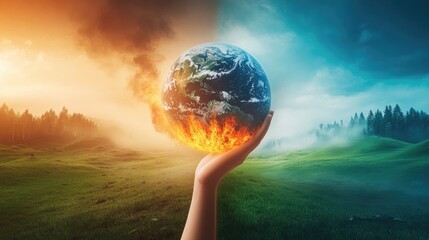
{"x":92,"y":59}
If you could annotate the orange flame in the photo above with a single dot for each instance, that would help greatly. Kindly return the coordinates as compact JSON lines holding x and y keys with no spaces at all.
{"x":213,"y":137}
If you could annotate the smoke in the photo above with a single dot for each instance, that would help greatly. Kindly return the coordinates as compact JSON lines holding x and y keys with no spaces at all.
{"x":132,"y":31}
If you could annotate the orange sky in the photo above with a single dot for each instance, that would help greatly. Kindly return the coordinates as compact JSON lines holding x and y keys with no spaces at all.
{"x":54,"y":55}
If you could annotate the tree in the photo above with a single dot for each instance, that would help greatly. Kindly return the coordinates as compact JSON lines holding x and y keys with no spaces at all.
{"x":398,"y":123}
{"x":413,"y":127}
{"x":378,"y":123}
{"x":20,"y":128}
{"x":27,"y":124}
{"x":387,"y":121}
{"x":370,"y":123}
{"x":4,"y":127}
{"x":12,"y":123}
{"x":361,"y":121}
{"x":352,"y":122}
{"x":49,"y":122}
{"x":63,"y":121}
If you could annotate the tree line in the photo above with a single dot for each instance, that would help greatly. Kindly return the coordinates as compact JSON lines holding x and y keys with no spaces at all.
{"x":413,"y":126}
{"x":24,"y":127}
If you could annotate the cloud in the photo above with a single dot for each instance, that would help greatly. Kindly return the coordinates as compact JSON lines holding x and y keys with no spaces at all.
{"x":382,"y":38}
{"x":261,"y":44}
{"x":132,"y":30}
{"x":317,"y":101}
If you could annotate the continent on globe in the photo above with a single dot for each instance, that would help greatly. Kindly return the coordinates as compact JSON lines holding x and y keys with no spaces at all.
{"x":215,"y":97}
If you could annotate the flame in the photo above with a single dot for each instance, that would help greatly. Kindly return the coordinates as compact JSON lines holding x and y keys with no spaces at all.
{"x":214,"y":136}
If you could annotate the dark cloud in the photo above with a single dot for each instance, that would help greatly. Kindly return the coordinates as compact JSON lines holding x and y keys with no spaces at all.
{"x":133,"y":30}
{"x":384,"y":38}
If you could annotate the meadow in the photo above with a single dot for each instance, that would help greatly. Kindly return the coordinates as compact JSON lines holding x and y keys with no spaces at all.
{"x":94,"y":190}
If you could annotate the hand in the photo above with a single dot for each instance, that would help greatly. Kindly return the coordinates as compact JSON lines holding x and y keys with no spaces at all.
{"x":214,"y":167}
{"x":201,"y":222}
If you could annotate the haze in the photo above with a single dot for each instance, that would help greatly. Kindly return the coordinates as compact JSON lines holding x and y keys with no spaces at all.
{"x":54,"y":55}
{"x":107,"y":58}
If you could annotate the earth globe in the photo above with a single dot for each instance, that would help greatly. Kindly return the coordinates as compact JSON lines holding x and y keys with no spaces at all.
{"x":215,"y":97}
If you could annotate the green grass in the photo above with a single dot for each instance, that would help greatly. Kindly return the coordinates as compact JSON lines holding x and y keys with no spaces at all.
{"x":93,"y":190}
{"x":82,"y":191}
{"x":310,"y":194}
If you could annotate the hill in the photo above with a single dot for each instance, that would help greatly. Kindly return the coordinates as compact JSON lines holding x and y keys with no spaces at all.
{"x":382,"y":163}
{"x":90,"y":189}
{"x":311,"y":194}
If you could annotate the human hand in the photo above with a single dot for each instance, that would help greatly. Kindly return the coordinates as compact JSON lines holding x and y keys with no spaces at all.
{"x":201,"y":221}
{"x":214,"y":167}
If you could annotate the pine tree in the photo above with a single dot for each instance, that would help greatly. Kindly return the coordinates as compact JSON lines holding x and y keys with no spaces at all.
{"x":398,"y":123}
{"x":370,"y":123}
{"x":387,"y":121}
{"x":352,"y":122}
{"x":378,"y":123}
{"x":361,"y":121}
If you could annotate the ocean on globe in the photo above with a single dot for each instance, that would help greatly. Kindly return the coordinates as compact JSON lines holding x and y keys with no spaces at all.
{"x":215,"y":97}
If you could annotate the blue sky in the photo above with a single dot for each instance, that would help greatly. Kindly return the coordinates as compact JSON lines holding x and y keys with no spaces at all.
{"x":328,"y":59}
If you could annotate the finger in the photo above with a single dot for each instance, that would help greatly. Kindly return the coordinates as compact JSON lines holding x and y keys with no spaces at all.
{"x":236,"y":156}
{"x":220,"y":164}
{"x":254,"y":142}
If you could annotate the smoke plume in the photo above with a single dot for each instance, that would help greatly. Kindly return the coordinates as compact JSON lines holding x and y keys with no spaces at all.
{"x":132,"y":30}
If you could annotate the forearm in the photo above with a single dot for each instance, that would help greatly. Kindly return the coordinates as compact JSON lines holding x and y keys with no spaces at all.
{"x":201,"y":221}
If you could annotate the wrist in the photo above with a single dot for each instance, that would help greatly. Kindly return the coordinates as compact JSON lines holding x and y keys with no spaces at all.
{"x":206,"y":185}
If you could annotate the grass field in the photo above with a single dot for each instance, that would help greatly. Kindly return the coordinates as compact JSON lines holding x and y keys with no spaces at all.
{"x":93,"y":190}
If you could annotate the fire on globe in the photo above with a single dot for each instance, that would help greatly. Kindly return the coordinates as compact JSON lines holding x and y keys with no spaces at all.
{"x":215,"y":97}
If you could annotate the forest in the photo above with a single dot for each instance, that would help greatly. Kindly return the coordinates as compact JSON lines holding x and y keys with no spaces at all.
{"x":413,"y":126}
{"x":24,"y":127}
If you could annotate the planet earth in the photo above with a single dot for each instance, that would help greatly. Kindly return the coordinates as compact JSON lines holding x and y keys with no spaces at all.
{"x":214,"y":95}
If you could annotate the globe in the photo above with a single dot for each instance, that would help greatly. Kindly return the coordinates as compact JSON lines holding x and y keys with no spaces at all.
{"x":215,"y":97}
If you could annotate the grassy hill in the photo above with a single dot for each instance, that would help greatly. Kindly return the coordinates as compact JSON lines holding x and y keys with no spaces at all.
{"x":94,"y":190}
{"x":374,"y":162}
{"x":311,"y":194}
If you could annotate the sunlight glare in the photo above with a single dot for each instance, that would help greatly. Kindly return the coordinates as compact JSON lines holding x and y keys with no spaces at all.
{"x":5,"y":66}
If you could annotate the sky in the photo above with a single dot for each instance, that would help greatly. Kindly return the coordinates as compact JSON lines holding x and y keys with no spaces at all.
{"x":328,"y":59}
{"x":324,"y":60}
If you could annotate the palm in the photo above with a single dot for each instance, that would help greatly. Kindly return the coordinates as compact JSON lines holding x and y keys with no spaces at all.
{"x":213,"y":167}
